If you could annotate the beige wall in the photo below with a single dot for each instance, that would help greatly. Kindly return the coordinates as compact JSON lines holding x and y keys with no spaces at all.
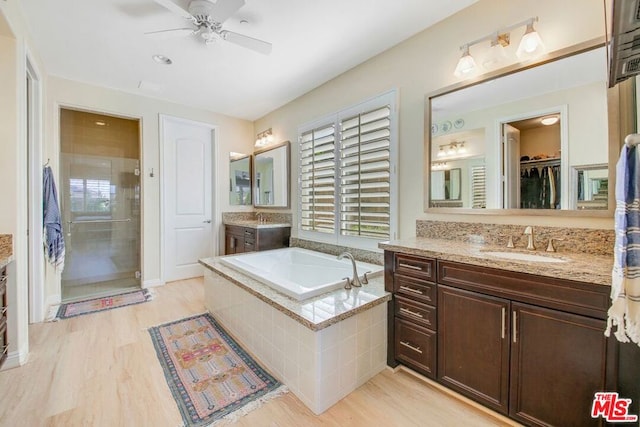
{"x":231,"y":135}
{"x":424,"y":64}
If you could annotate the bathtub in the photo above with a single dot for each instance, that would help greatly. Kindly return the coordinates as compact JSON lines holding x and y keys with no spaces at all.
{"x":299,"y":273}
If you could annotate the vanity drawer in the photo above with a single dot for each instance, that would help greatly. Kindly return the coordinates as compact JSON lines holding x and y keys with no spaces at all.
{"x":416,"y":347}
{"x":415,"y":289}
{"x":249,"y":233}
{"x":422,"y":268}
{"x":416,"y":312}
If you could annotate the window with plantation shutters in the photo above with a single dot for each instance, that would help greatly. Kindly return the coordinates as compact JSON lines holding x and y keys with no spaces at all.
{"x":346,"y":175}
{"x":317,"y":179}
{"x":365,"y":174}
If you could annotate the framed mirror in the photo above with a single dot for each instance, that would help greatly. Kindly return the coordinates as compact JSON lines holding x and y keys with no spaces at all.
{"x":525,"y":139}
{"x":271,"y":177}
{"x":239,"y":179}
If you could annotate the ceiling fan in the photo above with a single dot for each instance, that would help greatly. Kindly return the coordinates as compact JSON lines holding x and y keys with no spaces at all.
{"x":207,"y":17}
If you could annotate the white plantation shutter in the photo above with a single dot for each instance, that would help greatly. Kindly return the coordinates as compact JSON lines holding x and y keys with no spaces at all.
{"x":346,"y":178}
{"x":478,"y":187}
{"x":317,"y":179}
{"x":365,"y":174}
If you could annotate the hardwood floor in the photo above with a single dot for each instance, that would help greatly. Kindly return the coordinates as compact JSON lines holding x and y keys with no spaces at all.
{"x":101,"y":370}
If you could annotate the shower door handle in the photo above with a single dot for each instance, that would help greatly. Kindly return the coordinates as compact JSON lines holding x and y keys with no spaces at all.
{"x":208,"y":221}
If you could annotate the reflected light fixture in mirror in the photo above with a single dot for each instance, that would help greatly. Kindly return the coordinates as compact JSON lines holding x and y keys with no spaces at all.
{"x":530,"y":47}
{"x":264,"y":138}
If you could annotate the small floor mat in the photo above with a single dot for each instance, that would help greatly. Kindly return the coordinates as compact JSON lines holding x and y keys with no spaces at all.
{"x":211,"y":377}
{"x":95,"y":305}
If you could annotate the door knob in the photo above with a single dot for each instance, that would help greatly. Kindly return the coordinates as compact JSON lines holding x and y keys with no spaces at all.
{"x":208,"y":221}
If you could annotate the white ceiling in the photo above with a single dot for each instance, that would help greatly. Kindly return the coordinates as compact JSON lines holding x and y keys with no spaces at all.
{"x":102,"y":42}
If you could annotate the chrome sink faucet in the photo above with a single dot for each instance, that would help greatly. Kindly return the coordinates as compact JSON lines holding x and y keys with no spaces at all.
{"x":355,"y":281}
{"x":528,"y":231}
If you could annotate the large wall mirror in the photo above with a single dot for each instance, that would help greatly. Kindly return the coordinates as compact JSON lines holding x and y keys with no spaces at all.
{"x":534,"y":139}
{"x":271,"y":177}
{"x":239,"y":179}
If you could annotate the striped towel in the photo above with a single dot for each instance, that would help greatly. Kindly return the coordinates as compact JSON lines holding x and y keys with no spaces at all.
{"x":52,"y":224}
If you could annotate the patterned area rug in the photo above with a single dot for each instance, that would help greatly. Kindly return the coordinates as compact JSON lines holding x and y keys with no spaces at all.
{"x":210,"y":376}
{"x":101,"y":304}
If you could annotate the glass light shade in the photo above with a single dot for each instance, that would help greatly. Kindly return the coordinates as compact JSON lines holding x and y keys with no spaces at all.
{"x":461,"y":149}
{"x":452,"y":150}
{"x":441,"y":153}
{"x":531,"y":44}
{"x":548,"y":121}
{"x":466,"y":65}
{"x":497,"y":55}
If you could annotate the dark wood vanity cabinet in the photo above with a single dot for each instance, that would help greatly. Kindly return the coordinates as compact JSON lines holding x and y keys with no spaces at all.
{"x":527,"y":346}
{"x":473,"y":346}
{"x":4,"y":344}
{"x":240,"y":239}
{"x":414,"y":313}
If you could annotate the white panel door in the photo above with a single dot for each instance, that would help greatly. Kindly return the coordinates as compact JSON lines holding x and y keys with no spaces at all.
{"x":188,"y":197}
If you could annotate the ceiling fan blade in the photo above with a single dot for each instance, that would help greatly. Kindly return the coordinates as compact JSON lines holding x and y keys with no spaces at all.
{"x":248,"y":42}
{"x":166,"y":34}
{"x":223,"y":9}
{"x":179,"y":8}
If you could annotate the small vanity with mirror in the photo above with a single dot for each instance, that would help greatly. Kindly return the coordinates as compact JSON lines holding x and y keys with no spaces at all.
{"x":261,"y":180}
{"x":525,"y":139}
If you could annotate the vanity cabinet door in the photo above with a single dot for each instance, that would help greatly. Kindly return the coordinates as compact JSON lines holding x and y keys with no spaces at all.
{"x":233,"y":240}
{"x":473,"y":345}
{"x":558,"y":362}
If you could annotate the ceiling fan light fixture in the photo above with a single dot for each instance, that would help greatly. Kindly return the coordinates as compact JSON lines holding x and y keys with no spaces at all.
{"x":161,"y":59}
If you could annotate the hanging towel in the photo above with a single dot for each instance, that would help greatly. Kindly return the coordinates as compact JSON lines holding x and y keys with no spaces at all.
{"x":625,"y":288}
{"x":52,"y":224}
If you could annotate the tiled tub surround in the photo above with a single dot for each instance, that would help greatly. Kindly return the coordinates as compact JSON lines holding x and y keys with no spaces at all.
{"x":581,"y":267}
{"x":6,"y":249}
{"x":322,"y":348}
{"x":583,"y":240}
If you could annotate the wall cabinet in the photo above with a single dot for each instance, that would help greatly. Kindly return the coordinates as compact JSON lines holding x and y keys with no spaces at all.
{"x":527,"y":346}
{"x":4,"y":344}
{"x":240,"y":239}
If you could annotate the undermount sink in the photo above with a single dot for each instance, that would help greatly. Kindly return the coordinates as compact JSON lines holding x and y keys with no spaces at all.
{"x":523,"y":257}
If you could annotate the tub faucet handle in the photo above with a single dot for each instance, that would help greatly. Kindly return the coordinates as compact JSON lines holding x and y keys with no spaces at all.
{"x":365,"y":280}
{"x":347,"y":285}
{"x":510,"y":244}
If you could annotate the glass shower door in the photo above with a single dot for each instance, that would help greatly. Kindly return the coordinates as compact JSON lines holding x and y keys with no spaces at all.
{"x":101,"y":220}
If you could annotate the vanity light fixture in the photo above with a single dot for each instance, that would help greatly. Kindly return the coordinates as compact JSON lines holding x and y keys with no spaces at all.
{"x":466,"y":64}
{"x":264,"y":138}
{"x":438,"y":165}
{"x":452,"y":149}
{"x":530,"y":46}
{"x":100,"y":123}
{"x":549,"y":120}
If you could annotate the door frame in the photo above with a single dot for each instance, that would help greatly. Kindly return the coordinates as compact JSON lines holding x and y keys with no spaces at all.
{"x":562,"y":110}
{"x":215,"y":209}
{"x":55,"y":162}
{"x":34,"y":125}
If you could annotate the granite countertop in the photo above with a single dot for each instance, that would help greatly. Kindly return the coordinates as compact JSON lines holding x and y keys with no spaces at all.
{"x":315,"y":313}
{"x":253,"y":223}
{"x":587,"y":268}
{"x":6,"y":261}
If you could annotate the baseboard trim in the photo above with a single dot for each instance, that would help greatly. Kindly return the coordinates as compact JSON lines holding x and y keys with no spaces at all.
{"x":448,"y":391}
{"x":15,"y":359}
{"x":152,"y":283}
